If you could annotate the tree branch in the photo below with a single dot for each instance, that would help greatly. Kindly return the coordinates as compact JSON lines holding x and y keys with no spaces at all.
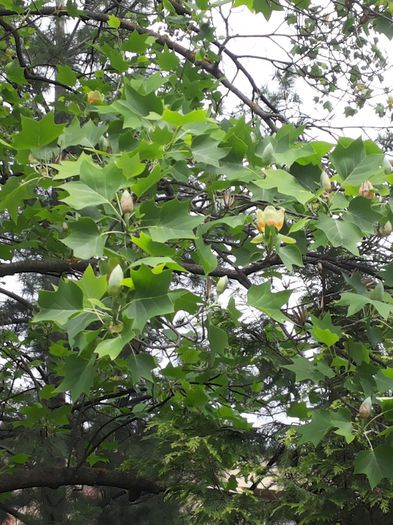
{"x":18,"y":515}
{"x":29,"y":75}
{"x":53,"y":477}
{"x":164,"y":40}
{"x":68,"y":266}
{"x":16,"y":297}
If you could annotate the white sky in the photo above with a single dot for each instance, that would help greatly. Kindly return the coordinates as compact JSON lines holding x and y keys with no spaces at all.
{"x":243,"y":22}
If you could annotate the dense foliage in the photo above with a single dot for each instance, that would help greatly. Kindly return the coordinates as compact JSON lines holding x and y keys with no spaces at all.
{"x":197,"y":325}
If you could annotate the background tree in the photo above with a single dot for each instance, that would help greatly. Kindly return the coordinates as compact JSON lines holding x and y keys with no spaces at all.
{"x":210,"y":267}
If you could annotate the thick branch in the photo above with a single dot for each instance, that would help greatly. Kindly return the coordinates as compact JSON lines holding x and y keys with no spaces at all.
{"x":58,"y":267}
{"x":164,"y":40}
{"x":17,"y":515}
{"x":17,"y":298}
{"x":54,"y":267}
{"x":52,"y":477}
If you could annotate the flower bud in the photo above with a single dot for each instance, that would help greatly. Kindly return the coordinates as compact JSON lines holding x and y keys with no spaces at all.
{"x":366,"y":190}
{"x":64,"y":226}
{"x":126,"y":202}
{"x":365,"y":408}
{"x":268,"y":154}
{"x":386,"y":230}
{"x":325,"y":196}
{"x":114,"y":282}
{"x":95,"y":97}
{"x":228,"y":198}
{"x":270,"y":217}
{"x":325,"y":181}
{"x":222,"y":284}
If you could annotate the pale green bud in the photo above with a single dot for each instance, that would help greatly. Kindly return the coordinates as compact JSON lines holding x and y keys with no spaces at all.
{"x":222,"y":284}
{"x":114,"y":281}
{"x":325,"y":181}
{"x":268,"y":154}
{"x":126,"y":202}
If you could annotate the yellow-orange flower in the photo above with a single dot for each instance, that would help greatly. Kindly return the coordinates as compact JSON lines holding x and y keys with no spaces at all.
{"x":95,"y":97}
{"x":270,"y":217}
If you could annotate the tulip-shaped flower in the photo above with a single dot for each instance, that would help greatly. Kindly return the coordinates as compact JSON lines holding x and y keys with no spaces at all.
{"x":270,"y":217}
{"x":366,"y":190}
{"x":95,"y":97}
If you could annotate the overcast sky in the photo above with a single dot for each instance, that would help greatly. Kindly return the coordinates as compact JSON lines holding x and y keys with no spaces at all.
{"x":242,"y":21}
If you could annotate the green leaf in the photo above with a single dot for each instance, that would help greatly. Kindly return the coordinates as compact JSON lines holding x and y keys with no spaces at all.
{"x":324,"y":331}
{"x":384,"y":24}
{"x":290,"y":256}
{"x":141,"y":367}
{"x":37,"y":133}
{"x":233,"y":221}
{"x":113,"y":346}
{"x":13,"y":193}
{"x":261,"y":297}
{"x":96,"y":186}
{"x":206,"y":150}
{"x":68,"y":169}
{"x":85,"y":240}
{"x":130,"y":165}
{"x":285,"y":184}
{"x":376,"y":464}
{"x":142,"y":104}
{"x":315,"y":431}
{"x":356,"y":302}
{"x":205,"y":256}
{"x":357,"y":161}
{"x":145,"y":183}
{"x":347,"y":155}
{"x":322,"y":422}
{"x":196,"y":396}
{"x":340,"y":233}
{"x":66,"y":75}
{"x":167,"y":60}
{"x":172,"y":220}
{"x":92,"y":286}
{"x":136,"y":43}
{"x":152,"y":248}
{"x":150,"y":298}
{"x":58,"y":306}
{"x":113,"y":22}
{"x":305,"y":369}
{"x":15,"y":73}
{"x":115,"y":57}
{"x":87,"y":135}
{"x":264,"y":7}
{"x":218,"y":338}
{"x":78,"y":375}
{"x":387,"y":407}
{"x":386,"y":273}
{"x":370,"y":168}
{"x":178,"y":119}
{"x":361,"y":213}
{"x":19,"y":459}
{"x":298,"y":410}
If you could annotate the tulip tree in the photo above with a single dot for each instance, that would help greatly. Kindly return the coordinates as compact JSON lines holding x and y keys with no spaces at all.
{"x":204,"y":299}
